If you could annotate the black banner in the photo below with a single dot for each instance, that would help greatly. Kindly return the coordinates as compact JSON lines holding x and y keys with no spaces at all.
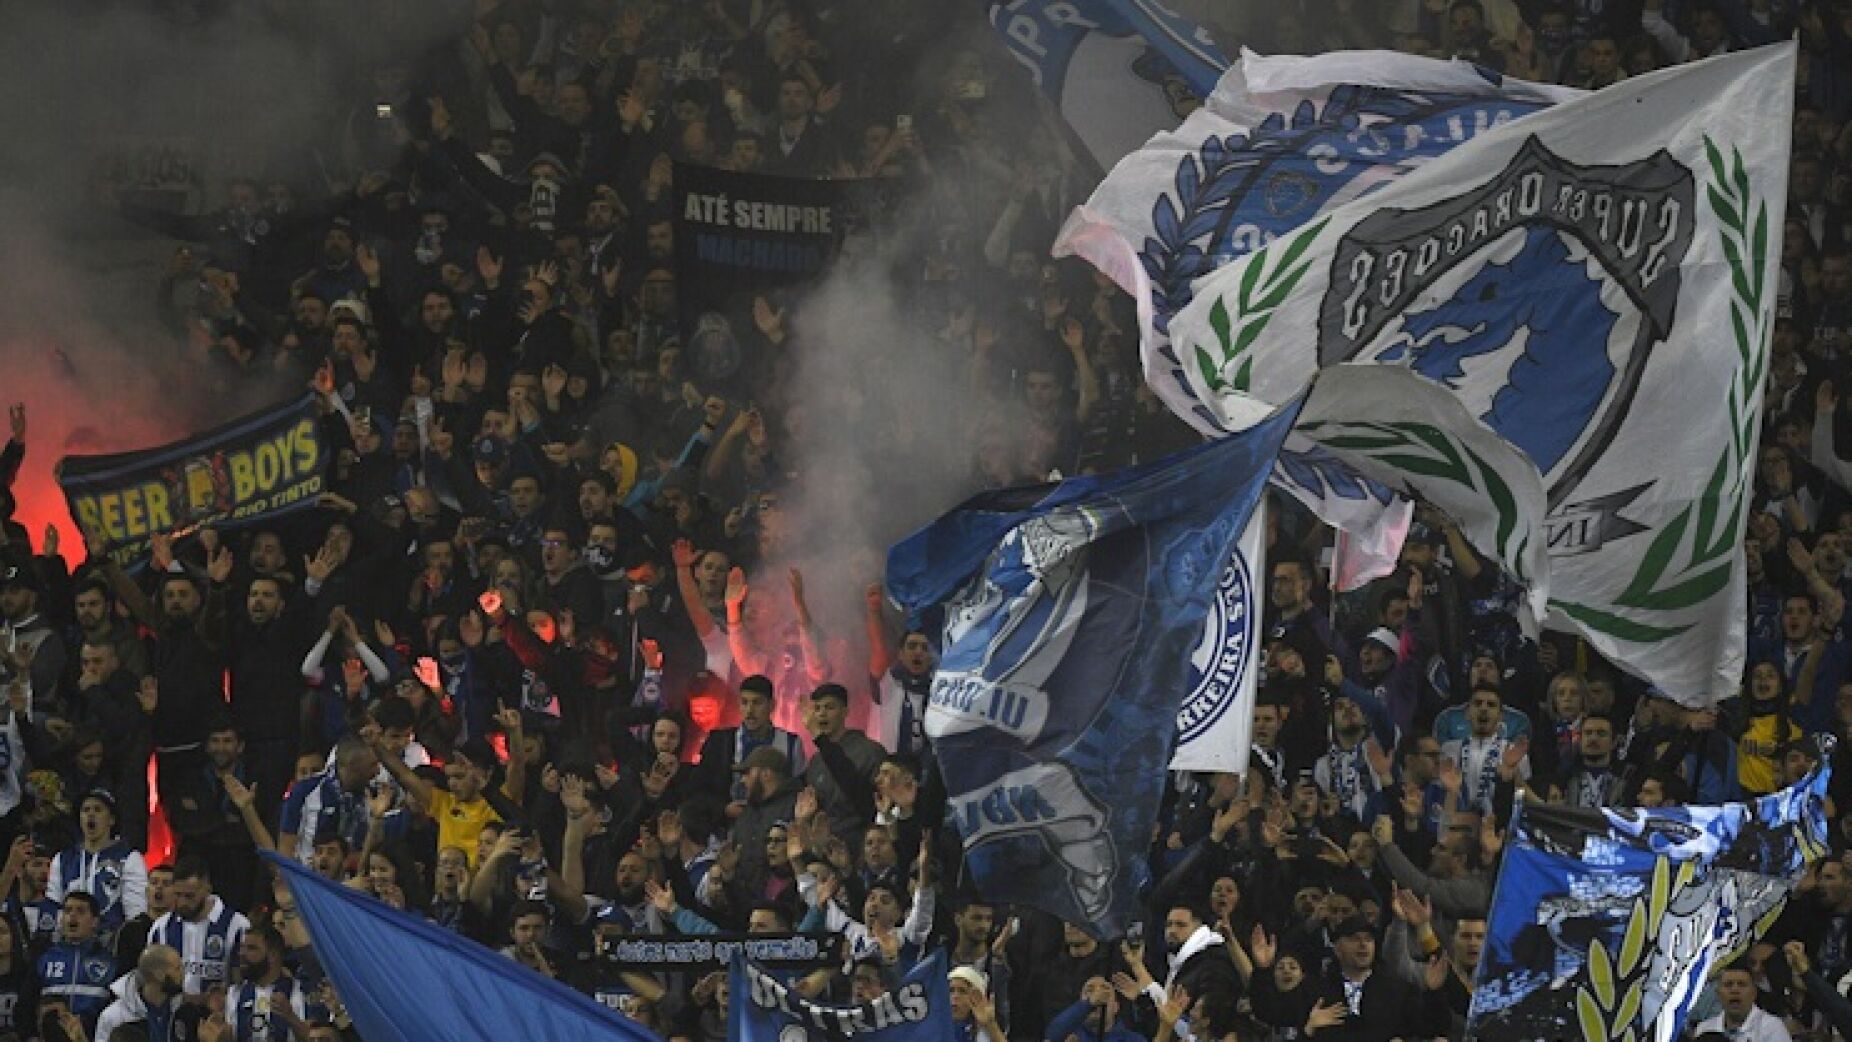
{"x":252,"y":468}
{"x":710,"y":952}
{"x":738,"y":236}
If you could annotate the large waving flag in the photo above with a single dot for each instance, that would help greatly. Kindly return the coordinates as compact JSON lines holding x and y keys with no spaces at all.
{"x":1118,"y":71}
{"x":1605,"y":924}
{"x":1281,"y":141}
{"x":1596,"y":282}
{"x":1071,"y":612}
{"x":405,"y":980}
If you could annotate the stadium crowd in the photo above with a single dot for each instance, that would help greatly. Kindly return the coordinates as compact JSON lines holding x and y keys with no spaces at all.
{"x":541,"y":668}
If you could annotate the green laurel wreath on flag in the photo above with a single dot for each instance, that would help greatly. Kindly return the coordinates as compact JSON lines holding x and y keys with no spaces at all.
{"x":1260,"y":293}
{"x":1707,"y":558}
{"x":1425,"y":450}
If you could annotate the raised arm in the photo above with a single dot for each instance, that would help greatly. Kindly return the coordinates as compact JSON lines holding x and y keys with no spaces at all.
{"x":416,"y":787}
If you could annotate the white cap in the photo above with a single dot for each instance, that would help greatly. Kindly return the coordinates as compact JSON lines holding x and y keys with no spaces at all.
{"x":971,"y":976}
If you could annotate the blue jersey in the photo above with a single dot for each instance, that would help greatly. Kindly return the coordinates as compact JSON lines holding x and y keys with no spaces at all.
{"x":80,"y":975}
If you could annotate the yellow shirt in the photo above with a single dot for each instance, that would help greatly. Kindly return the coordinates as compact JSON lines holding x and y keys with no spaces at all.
{"x":459,"y":824}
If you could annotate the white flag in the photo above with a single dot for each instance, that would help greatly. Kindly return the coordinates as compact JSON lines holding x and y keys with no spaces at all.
{"x":1596,"y":283}
{"x":1279,"y":142}
{"x":1215,"y":723}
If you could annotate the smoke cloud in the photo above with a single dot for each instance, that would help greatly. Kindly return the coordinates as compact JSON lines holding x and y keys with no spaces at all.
{"x":168,"y":98}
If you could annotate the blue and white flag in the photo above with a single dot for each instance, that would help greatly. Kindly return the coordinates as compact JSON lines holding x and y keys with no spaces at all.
{"x":1215,"y":724}
{"x":1281,"y":141}
{"x":1595,"y":282}
{"x":763,"y":1008}
{"x":1071,"y":612}
{"x":1118,"y":71}
{"x":1606,"y":924}
{"x":406,"y":980}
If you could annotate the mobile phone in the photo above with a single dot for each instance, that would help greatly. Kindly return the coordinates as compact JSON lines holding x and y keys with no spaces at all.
{"x":903,"y":123}
{"x":1135,"y":934}
{"x":382,"y":110}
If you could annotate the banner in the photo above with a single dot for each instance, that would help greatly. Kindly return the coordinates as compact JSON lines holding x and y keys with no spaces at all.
{"x":1071,"y":612}
{"x":711,"y":952}
{"x":406,"y":980}
{"x":1596,"y":282}
{"x":249,"y":470}
{"x":1215,"y":725}
{"x":738,"y":236}
{"x":1279,"y":142}
{"x":1118,"y":71}
{"x":1605,"y":924}
{"x":762,"y":1008}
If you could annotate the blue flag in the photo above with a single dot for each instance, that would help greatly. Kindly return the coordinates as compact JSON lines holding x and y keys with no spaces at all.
{"x":1606,"y":924}
{"x":1118,"y":70}
{"x":405,"y":980}
{"x":763,"y":1008}
{"x":1071,"y":612}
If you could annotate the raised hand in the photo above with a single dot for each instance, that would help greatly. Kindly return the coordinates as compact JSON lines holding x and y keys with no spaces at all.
{"x":491,"y":602}
{"x":379,"y":803}
{"x":321,"y":566}
{"x":366,"y":258}
{"x":383,"y":630}
{"x":1176,"y":1004}
{"x":16,"y":419}
{"x":806,"y":807}
{"x":161,"y":547}
{"x":1262,"y":948}
{"x":241,"y":795}
{"x":1436,"y":975}
{"x":440,"y":118}
{"x":572,"y":796}
{"x":1326,"y":1016}
{"x":736,"y":588}
{"x":713,"y":410}
{"x":489,"y":267}
{"x":1450,"y":777}
{"x":683,"y":554}
{"x":1414,"y":910}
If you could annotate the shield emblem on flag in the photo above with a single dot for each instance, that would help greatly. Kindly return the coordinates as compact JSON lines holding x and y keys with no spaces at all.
{"x":1537,"y":297}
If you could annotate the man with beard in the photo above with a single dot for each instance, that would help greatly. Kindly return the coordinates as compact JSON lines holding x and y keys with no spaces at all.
{"x":770,"y":798}
{"x":726,"y":753}
{"x":152,"y":996}
{"x":202,"y":928}
{"x":1597,"y":780}
{"x":97,"y":623}
{"x":1484,"y":755}
{"x":1195,"y":958}
{"x":267,"y":1004}
{"x":114,"y":705}
{"x":1291,"y":613}
{"x":269,"y":639}
{"x":337,"y":277}
{"x":1349,"y":769}
{"x":212,"y":824}
{"x":188,"y":657}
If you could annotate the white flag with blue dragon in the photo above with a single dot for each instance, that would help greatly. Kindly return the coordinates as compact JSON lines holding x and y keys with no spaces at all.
{"x":1596,"y":282}
{"x":1281,"y":141}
